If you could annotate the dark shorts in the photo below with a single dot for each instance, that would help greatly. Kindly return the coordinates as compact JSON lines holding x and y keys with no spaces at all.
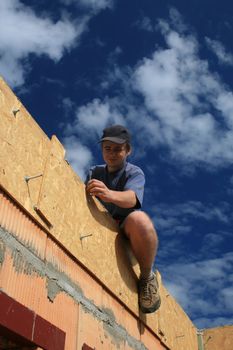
{"x":120,"y":223}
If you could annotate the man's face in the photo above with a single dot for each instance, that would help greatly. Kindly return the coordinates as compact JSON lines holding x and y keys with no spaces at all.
{"x":114,"y":154}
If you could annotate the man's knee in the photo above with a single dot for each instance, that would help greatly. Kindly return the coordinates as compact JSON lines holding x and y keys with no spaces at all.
{"x":138,"y":220}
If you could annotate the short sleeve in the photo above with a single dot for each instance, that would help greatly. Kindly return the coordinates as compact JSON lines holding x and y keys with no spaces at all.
{"x":136,"y":182}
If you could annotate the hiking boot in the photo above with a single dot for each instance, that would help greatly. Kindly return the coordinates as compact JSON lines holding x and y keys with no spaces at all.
{"x":149,"y":299}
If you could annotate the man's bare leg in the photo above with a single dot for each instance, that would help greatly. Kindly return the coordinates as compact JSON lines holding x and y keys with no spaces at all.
{"x":143,"y":239}
{"x":144,"y":242}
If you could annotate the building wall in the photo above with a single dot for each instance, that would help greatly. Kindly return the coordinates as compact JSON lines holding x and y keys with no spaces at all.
{"x":37,"y":272}
{"x":218,"y":338}
{"x":61,"y":254}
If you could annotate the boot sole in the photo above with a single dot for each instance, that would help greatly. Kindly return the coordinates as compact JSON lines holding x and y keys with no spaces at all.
{"x":151,"y":309}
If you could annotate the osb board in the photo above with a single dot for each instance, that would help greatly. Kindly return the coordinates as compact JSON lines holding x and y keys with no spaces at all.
{"x":218,"y":338}
{"x":174,"y":327}
{"x":24,"y":149}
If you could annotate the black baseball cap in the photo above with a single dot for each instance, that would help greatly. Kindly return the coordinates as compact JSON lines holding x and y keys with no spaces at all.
{"x":116,"y":133}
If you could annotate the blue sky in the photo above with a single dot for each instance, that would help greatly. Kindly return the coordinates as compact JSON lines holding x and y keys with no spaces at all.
{"x":163,"y":69}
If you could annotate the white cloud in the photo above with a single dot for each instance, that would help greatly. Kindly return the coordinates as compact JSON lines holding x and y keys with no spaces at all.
{"x":91,"y":119}
{"x":11,"y":69}
{"x":95,"y":116}
{"x":23,"y":32}
{"x":185,"y":106}
{"x":227,"y":295}
{"x":219,"y":50}
{"x":87,"y":127}
{"x":175,"y":224}
{"x":78,"y":156}
{"x":97,"y":4}
{"x":177,"y":216}
{"x":230,"y":186}
{"x":212,"y":241}
{"x":177,"y":20}
{"x":186,"y":101}
{"x":224,"y":103}
{"x":145,"y":24}
{"x":94,"y":4}
{"x":202,"y":288}
{"x":35,"y":33}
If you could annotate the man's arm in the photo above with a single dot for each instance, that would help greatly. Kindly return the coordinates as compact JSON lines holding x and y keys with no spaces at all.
{"x":123,"y":199}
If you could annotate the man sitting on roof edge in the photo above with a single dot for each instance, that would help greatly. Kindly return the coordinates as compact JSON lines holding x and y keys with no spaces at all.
{"x":119,"y":185}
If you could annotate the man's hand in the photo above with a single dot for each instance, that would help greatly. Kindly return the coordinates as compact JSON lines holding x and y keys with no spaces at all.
{"x":123,"y":199}
{"x":99,"y":189}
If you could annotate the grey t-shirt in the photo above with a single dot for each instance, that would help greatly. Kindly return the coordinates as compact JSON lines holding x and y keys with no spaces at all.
{"x":130,"y":177}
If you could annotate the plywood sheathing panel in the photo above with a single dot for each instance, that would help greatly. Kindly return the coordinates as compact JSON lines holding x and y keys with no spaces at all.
{"x":174,"y":327}
{"x":24,"y":148}
{"x":218,"y":338}
{"x":148,"y":339}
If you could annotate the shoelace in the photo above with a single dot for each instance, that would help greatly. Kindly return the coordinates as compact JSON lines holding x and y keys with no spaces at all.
{"x":147,"y":289}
